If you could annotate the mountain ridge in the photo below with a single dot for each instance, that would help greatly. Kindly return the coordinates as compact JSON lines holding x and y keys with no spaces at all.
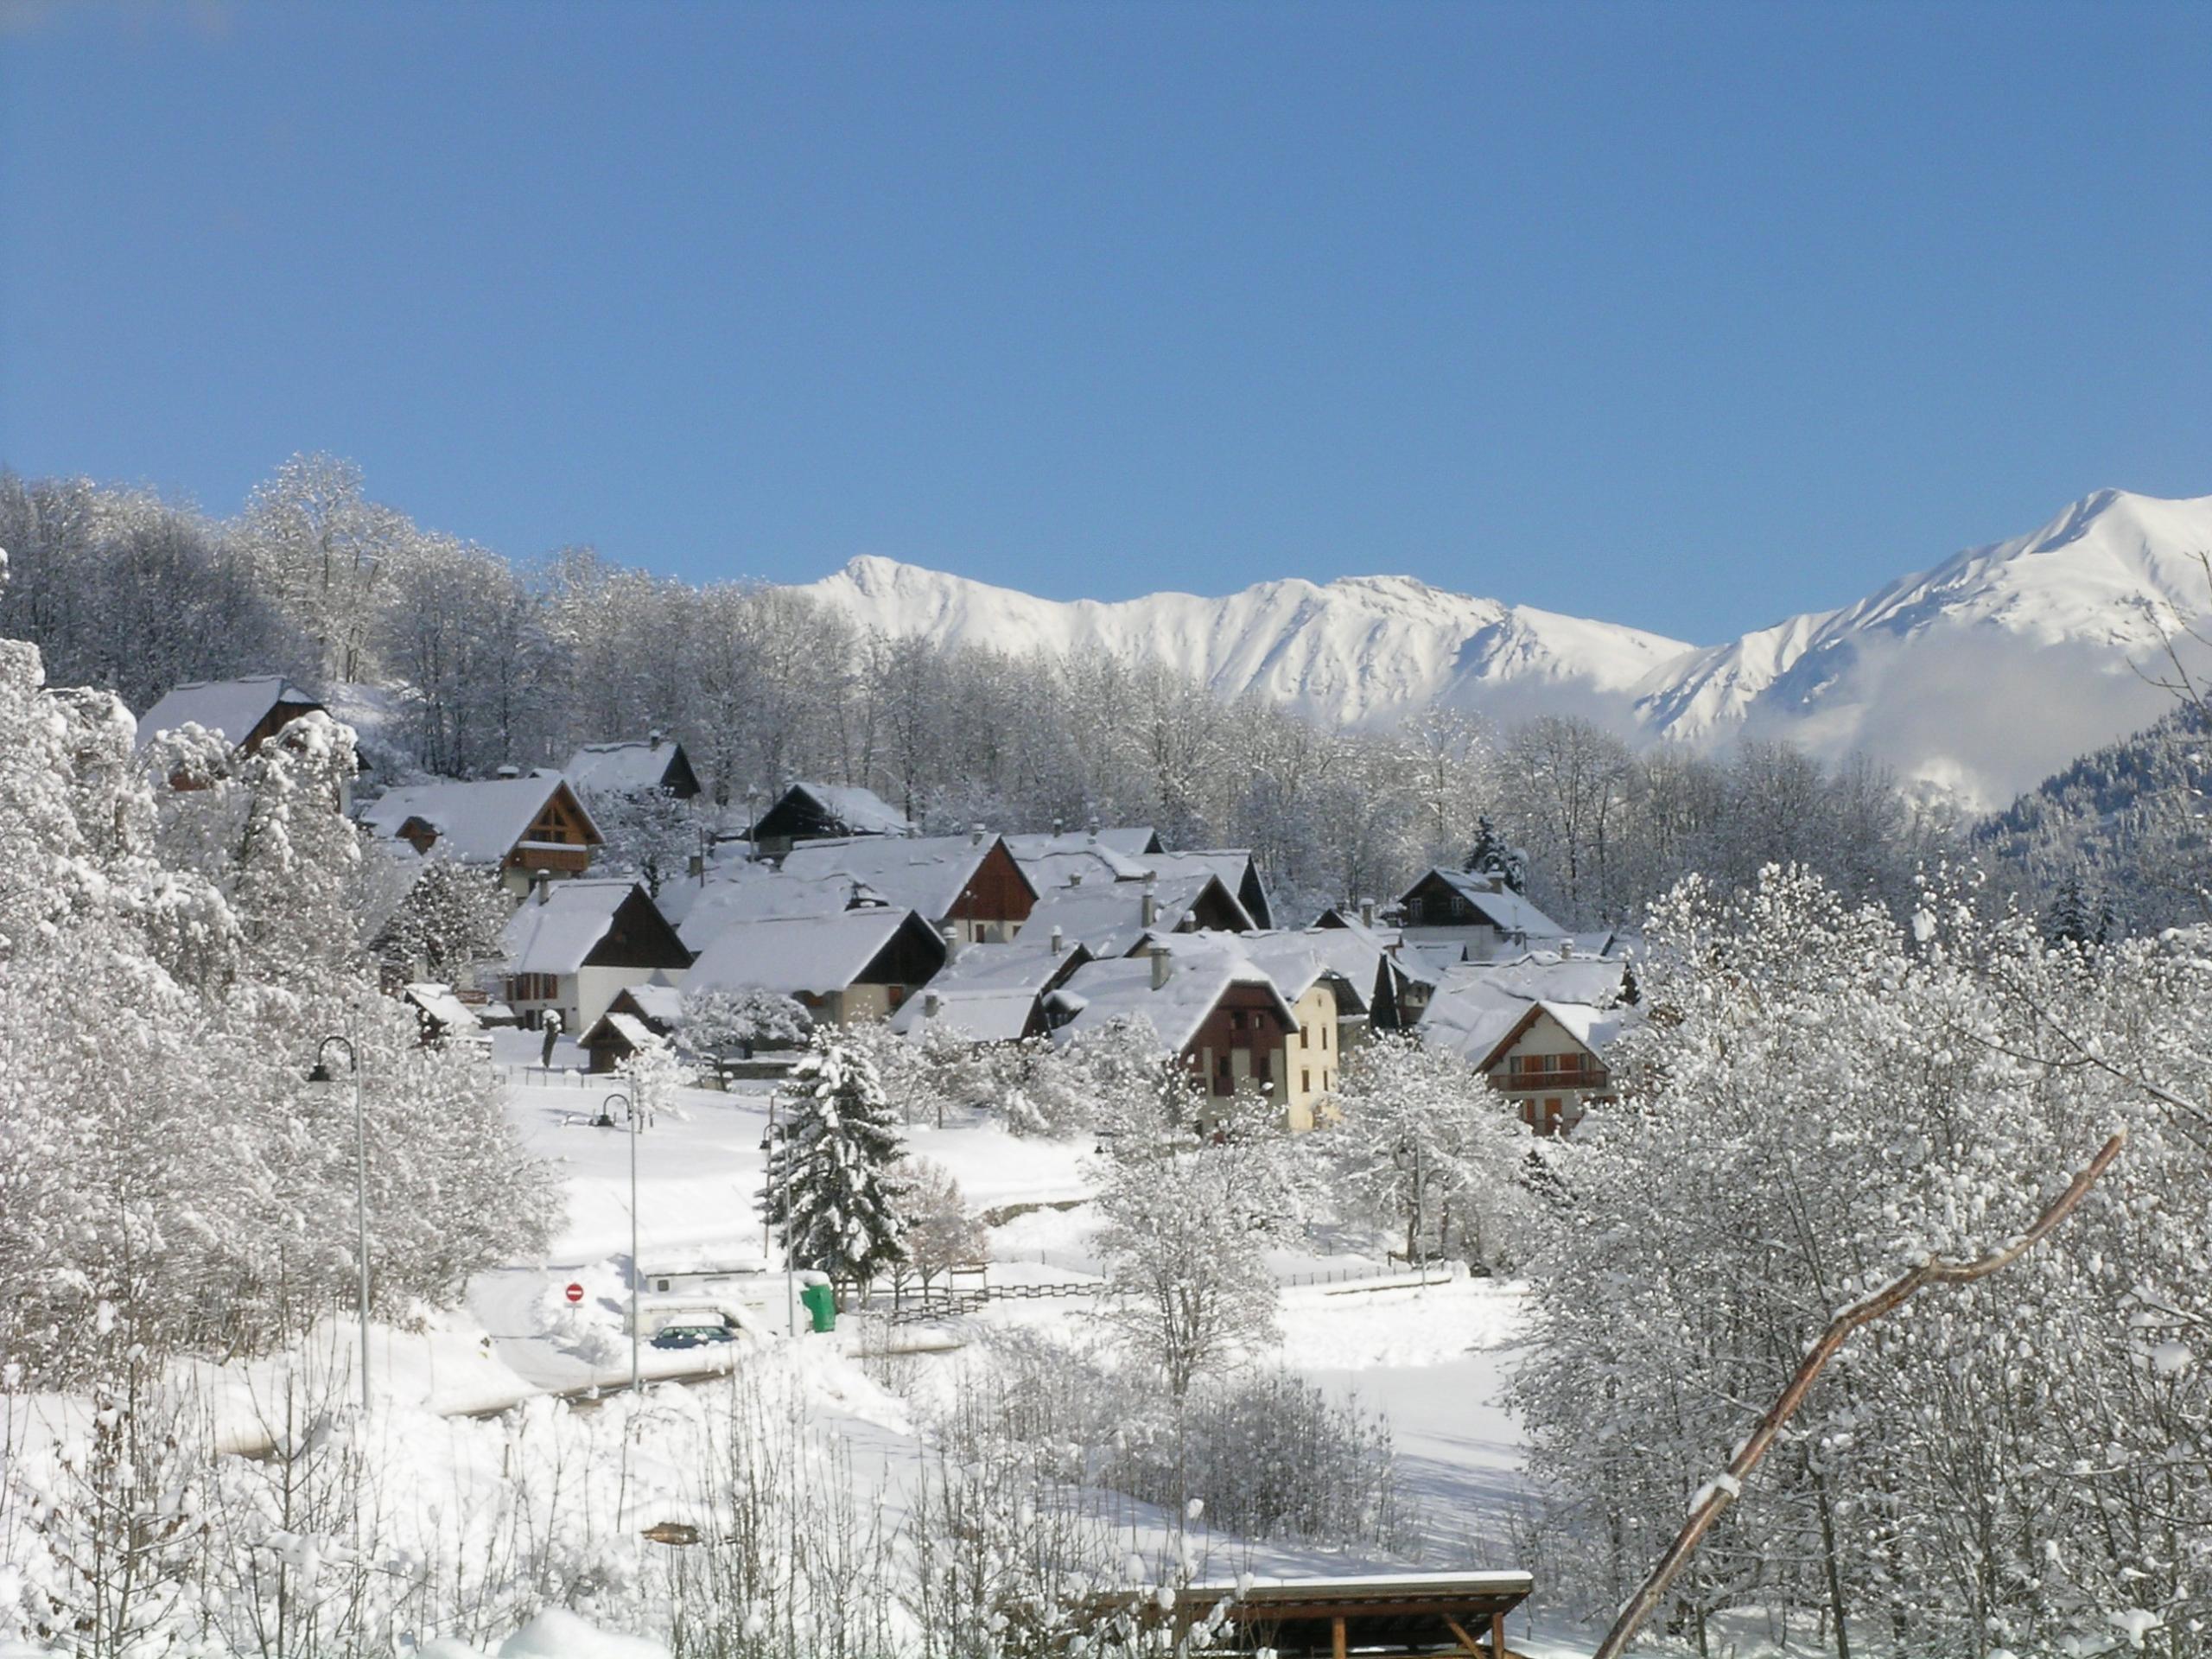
{"x":1972,"y":677}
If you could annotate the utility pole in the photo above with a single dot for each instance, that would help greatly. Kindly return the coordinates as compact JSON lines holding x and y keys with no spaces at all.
{"x":606,"y":1110}
{"x":321,"y":1074}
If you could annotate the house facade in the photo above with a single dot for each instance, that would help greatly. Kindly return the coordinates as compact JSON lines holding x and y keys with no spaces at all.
{"x":1477,"y":916}
{"x":524,"y":827}
{"x":574,"y":945}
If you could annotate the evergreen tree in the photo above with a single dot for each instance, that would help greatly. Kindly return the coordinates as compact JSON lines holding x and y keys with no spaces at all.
{"x":832,"y":1192}
{"x":1493,"y":857}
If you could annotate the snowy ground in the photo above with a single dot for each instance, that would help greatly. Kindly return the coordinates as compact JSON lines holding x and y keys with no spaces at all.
{"x":1433,"y":1359}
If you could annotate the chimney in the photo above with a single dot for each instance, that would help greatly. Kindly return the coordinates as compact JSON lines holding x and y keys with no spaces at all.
{"x":951,"y":941}
{"x":510,"y":770}
{"x":1162,"y":966}
{"x":1057,"y":942}
{"x":1094,"y":827}
{"x":1075,"y":878}
{"x":653,"y":741}
{"x":541,"y":886}
{"x":931,"y":1003}
{"x":1367,"y":913}
{"x":1150,"y":911}
{"x":975,"y":835}
{"x":1057,"y":823}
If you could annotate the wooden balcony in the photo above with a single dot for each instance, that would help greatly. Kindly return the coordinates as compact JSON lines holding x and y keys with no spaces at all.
{"x":1527,"y":1082}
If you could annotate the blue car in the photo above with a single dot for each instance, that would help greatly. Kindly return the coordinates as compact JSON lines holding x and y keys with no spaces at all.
{"x":692,"y":1336}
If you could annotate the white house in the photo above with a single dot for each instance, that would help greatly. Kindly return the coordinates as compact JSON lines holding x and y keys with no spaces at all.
{"x":860,"y":963}
{"x":572,"y":945}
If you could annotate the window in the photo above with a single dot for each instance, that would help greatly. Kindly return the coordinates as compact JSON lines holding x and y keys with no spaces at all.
{"x":1302,"y":1035}
{"x":1324,"y":1036}
{"x":1235,"y":1021}
{"x":1305,"y":1081}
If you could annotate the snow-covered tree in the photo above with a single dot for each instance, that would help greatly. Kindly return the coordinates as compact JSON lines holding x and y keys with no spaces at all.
{"x":447,"y":926}
{"x":832,"y":1190}
{"x":941,"y":1234}
{"x":1425,"y":1147}
{"x":1493,"y":857}
{"x":650,"y":833}
{"x":718,"y":1024}
{"x":1189,"y":1289}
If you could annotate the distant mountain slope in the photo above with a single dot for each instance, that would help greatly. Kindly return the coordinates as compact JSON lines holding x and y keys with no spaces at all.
{"x":1973,"y":678}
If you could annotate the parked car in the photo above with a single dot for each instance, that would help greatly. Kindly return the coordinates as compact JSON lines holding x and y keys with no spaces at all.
{"x":692,"y":1336}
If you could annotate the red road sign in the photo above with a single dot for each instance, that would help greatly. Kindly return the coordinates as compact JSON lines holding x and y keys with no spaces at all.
{"x":575,"y":1293}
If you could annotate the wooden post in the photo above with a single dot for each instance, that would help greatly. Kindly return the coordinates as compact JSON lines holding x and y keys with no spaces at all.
{"x":1497,"y":1636}
{"x":1337,"y":1637}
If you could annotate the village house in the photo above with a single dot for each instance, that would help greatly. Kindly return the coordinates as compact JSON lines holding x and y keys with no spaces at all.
{"x":1367,"y":953}
{"x":1204,"y":1001}
{"x":1233,"y":865}
{"x":571,"y":946}
{"x":657,"y":766}
{"x":524,"y":827}
{"x":826,"y":812}
{"x":1475,"y":918}
{"x":856,"y":964}
{"x":1112,"y":918}
{"x":639,"y":1018}
{"x":968,"y":885}
{"x":1536,"y":1028}
{"x":1327,"y":1010}
{"x":245,"y":714}
{"x":441,"y":1015}
{"x":991,"y":992}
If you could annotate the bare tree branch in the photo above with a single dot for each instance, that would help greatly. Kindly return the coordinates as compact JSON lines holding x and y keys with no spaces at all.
{"x":1717,"y":1496}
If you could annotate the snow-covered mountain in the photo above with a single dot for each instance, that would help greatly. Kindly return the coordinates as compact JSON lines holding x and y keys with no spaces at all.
{"x":1974,"y":678}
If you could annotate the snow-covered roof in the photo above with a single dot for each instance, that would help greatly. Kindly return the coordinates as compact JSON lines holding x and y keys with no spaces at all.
{"x":622,"y":769}
{"x":1129,"y":840}
{"x":1508,"y":911}
{"x":820,"y":878}
{"x":442,"y":1005}
{"x":232,"y":708}
{"x":1201,"y":969}
{"x":814,"y":953}
{"x":1545,"y":975}
{"x":1475,"y":1010}
{"x":1294,"y":961}
{"x":662,"y":1004}
{"x":1109,"y":916}
{"x":987,"y":992}
{"x":1094,"y":864}
{"x":478,"y":821}
{"x":633,"y":1031}
{"x":554,"y":931}
{"x":1233,"y":865}
{"x":862,"y":811}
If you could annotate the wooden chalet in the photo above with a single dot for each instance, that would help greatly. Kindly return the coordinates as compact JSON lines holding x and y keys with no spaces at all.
{"x":657,"y":766}
{"x":826,"y":812}
{"x":637,"y":1018}
{"x":245,"y":714}
{"x":855,"y":964}
{"x":572,"y":946}
{"x":1479,"y":916}
{"x":524,"y":827}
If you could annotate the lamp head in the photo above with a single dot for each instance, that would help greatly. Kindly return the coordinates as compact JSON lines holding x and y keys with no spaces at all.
{"x":320,"y":1074}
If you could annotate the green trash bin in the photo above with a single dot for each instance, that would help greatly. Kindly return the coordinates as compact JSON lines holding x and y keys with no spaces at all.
{"x":820,"y":1303}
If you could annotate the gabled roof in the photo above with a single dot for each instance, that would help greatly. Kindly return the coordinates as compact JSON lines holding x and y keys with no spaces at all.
{"x":1127,"y":840}
{"x":229,"y":709}
{"x":1476,"y":1014}
{"x":1545,"y":975}
{"x":1506,"y":910}
{"x":1233,"y":865}
{"x":659,"y":1005}
{"x":556,"y":931}
{"x":479,"y":822}
{"x":632,"y":768}
{"x":988,"y":992}
{"x":816,"y":954}
{"x":1109,"y":916}
{"x":1095,"y":864}
{"x":1295,"y":961}
{"x":1201,"y":970}
{"x":439,"y":1002}
{"x":820,"y":878}
{"x":857,"y":811}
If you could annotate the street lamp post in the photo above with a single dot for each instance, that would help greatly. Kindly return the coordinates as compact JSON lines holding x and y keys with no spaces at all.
{"x":322,"y":1073}
{"x":791,"y":1277}
{"x":605,"y":1111}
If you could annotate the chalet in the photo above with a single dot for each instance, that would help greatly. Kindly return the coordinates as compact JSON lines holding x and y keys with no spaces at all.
{"x":1234,"y":867}
{"x":1519,"y":1024}
{"x":639,"y":1017}
{"x":245,"y":714}
{"x":655,"y":766}
{"x":1328,"y":1009}
{"x":572,"y":945}
{"x":826,"y":812}
{"x":523,"y":827}
{"x":857,"y":964}
{"x":1396,"y":993}
{"x":1114,"y":918}
{"x":1477,"y":916}
{"x":968,"y":885}
{"x":991,"y":992}
{"x":1203,"y":1000}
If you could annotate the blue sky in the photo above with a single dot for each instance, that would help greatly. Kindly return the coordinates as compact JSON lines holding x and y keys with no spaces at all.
{"x":1683,"y":316}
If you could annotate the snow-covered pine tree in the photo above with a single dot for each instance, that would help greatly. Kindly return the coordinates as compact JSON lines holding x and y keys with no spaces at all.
{"x":1494,"y":857}
{"x":832,"y":1190}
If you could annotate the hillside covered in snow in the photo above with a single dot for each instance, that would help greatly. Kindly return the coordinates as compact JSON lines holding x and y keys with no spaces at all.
{"x":1974,"y":677}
